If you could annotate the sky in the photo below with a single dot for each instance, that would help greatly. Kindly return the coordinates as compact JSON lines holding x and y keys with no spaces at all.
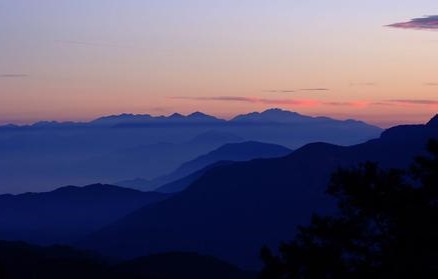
{"x":373,"y":60}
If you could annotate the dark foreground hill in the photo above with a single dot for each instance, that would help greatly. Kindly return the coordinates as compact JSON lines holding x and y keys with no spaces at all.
{"x":232,"y":210}
{"x":67,"y":213}
{"x":19,"y":260}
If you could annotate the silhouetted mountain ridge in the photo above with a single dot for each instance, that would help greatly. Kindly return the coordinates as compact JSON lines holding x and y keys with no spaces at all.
{"x":232,"y":210}
{"x":283,"y":116}
{"x":184,"y":182}
{"x":433,"y":121}
{"x":93,"y":189}
{"x":271,"y":115}
{"x":242,"y":151}
{"x":196,"y":117}
{"x":119,"y":147}
{"x":20,"y":260}
{"x":67,"y":213}
{"x":274,"y":115}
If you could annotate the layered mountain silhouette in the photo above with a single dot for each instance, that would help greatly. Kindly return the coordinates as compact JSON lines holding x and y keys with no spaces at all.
{"x":234,"y":209}
{"x":280,"y":116}
{"x":119,"y":147}
{"x":146,"y":119}
{"x":243,"y":151}
{"x":182,"y":183}
{"x":67,"y":213}
{"x":20,"y":260}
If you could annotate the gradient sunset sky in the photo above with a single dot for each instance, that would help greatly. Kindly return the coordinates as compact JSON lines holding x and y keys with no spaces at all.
{"x":79,"y":59}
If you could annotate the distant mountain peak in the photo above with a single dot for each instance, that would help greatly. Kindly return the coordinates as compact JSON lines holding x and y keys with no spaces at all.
{"x":278,"y":111}
{"x":98,"y":187}
{"x":120,"y":118}
{"x":433,"y":121}
{"x":126,"y":118}
{"x":198,"y":114}
{"x":272,"y":115}
{"x":177,"y":115}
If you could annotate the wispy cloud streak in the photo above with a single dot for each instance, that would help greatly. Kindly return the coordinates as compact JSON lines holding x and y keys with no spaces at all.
{"x":298,"y":90}
{"x":414,"y":102}
{"x":300,"y":102}
{"x":363,"y":84}
{"x":315,"y":89}
{"x":357,"y":104}
{"x":280,"y":91}
{"x":97,"y":44}
{"x":13,"y":75}
{"x":218,"y":98}
{"x":422,"y":23}
{"x":292,"y":102}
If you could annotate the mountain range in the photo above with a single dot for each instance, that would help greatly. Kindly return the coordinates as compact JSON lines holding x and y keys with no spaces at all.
{"x":234,"y":209}
{"x":121,"y":147}
{"x":274,"y":115}
{"x":176,"y":118}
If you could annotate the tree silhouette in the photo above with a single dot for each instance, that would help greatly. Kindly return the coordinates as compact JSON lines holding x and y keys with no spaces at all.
{"x":2,"y":272}
{"x":386,"y":227}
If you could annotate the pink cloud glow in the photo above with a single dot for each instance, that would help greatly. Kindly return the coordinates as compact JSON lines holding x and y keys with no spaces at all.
{"x":255,"y":100}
